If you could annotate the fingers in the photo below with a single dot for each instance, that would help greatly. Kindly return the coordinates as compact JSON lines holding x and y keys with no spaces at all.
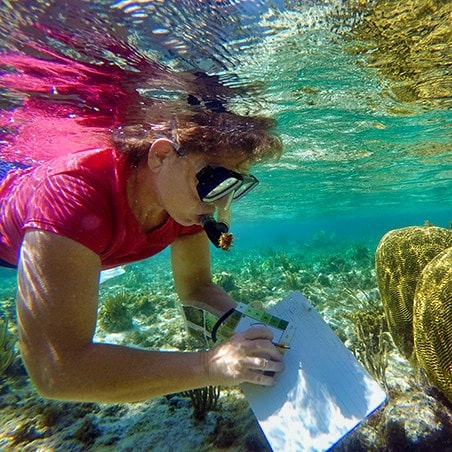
{"x":262,"y":371}
{"x":258,"y":332}
{"x":260,"y":378}
{"x":264,"y":365}
{"x":260,"y":338}
{"x":249,"y":356}
{"x":266,"y":347}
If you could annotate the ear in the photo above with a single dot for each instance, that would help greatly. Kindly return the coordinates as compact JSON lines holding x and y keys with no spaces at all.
{"x":160,"y":150}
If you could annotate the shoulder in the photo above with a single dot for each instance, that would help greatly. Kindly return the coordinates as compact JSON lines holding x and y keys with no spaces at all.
{"x":100,"y":160}
{"x":78,"y":196}
{"x":96,"y":170}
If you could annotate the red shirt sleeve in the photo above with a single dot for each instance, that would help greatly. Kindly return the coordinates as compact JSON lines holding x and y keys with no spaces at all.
{"x":72,"y":207}
{"x":82,"y":197}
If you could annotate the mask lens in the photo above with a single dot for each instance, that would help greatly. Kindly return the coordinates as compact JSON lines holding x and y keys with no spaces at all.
{"x":222,"y":189}
{"x":216,"y":182}
{"x":248,"y":183}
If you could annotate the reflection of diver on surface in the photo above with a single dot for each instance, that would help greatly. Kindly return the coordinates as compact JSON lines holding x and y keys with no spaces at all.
{"x":414,"y":275}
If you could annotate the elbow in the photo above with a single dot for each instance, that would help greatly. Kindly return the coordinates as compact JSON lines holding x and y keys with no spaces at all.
{"x":47,"y":383}
{"x":49,"y":378}
{"x":52,"y":386}
{"x":195,"y":296}
{"x":46,"y":391}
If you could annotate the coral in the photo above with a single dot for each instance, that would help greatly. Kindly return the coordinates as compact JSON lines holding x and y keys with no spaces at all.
{"x":6,"y":346}
{"x":336,"y":264}
{"x":361,"y":254}
{"x":372,"y":343}
{"x":26,"y":433}
{"x":414,"y":274}
{"x":226,"y":433}
{"x":87,"y":431}
{"x":432,"y":323}
{"x":203,"y":400}
{"x":281,"y":261}
{"x":400,"y":258}
{"x":114,"y":315}
{"x":292,"y":280}
{"x":142,"y":303}
{"x":226,"y":281}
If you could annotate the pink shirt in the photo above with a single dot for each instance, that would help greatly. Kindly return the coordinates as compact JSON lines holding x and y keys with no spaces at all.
{"x":81,"y":196}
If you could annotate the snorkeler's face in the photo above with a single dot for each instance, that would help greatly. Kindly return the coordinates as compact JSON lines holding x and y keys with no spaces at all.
{"x":217,"y":182}
{"x":192,"y":186}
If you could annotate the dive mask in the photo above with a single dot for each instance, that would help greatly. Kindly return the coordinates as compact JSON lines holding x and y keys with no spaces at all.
{"x":215,"y":182}
{"x":219,"y":183}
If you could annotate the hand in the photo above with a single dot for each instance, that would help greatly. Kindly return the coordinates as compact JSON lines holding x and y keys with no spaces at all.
{"x":244,"y":358}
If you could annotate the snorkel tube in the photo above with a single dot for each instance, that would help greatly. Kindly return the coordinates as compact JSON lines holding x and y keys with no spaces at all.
{"x":214,"y":230}
{"x":218,"y":230}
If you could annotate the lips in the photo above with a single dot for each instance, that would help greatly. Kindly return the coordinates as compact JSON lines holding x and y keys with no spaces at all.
{"x":201,"y":218}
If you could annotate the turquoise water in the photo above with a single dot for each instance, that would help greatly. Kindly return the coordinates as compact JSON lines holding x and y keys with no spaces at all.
{"x":357,"y":156}
{"x":367,"y":149}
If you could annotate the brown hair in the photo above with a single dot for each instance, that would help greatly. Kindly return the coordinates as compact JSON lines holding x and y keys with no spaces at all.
{"x":252,"y":137}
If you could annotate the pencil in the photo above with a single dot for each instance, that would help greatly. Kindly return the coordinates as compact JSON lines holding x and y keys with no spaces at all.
{"x":284,"y":346}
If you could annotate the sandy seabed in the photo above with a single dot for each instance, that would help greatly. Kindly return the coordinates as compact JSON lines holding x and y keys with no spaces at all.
{"x":339,"y":281}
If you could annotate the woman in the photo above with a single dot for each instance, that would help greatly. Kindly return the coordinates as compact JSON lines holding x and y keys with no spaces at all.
{"x":64,"y":221}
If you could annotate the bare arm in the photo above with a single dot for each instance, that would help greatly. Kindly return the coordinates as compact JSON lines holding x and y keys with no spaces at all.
{"x":190,"y":258}
{"x":57,"y":311}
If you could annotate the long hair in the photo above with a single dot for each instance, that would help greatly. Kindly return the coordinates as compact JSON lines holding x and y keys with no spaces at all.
{"x":213,"y":133}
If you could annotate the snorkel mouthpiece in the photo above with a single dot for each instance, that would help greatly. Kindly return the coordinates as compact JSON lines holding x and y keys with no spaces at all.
{"x":217,"y":231}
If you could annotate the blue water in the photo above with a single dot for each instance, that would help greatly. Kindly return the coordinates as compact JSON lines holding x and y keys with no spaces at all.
{"x":367,"y":138}
{"x":357,"y":159}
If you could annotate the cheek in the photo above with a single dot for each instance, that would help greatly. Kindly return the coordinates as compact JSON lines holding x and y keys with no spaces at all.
{"x":177,"y":196}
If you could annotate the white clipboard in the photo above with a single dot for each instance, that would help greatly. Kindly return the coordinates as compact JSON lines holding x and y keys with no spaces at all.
{"x":323,"y":393}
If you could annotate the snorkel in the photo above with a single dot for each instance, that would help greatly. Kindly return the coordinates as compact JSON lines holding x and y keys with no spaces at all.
{"x":219,"y":186}
{"x":218,"y":230}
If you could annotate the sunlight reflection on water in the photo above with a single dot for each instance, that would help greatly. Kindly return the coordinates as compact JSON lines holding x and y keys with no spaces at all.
{"x":354,"y":138}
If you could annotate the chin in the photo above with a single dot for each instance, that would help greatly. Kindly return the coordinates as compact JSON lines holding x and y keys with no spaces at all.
{"x":187,"y":221}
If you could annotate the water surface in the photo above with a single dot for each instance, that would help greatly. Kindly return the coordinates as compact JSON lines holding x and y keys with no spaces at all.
{"x":364,"y":142}
{"x":361,"y":91}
